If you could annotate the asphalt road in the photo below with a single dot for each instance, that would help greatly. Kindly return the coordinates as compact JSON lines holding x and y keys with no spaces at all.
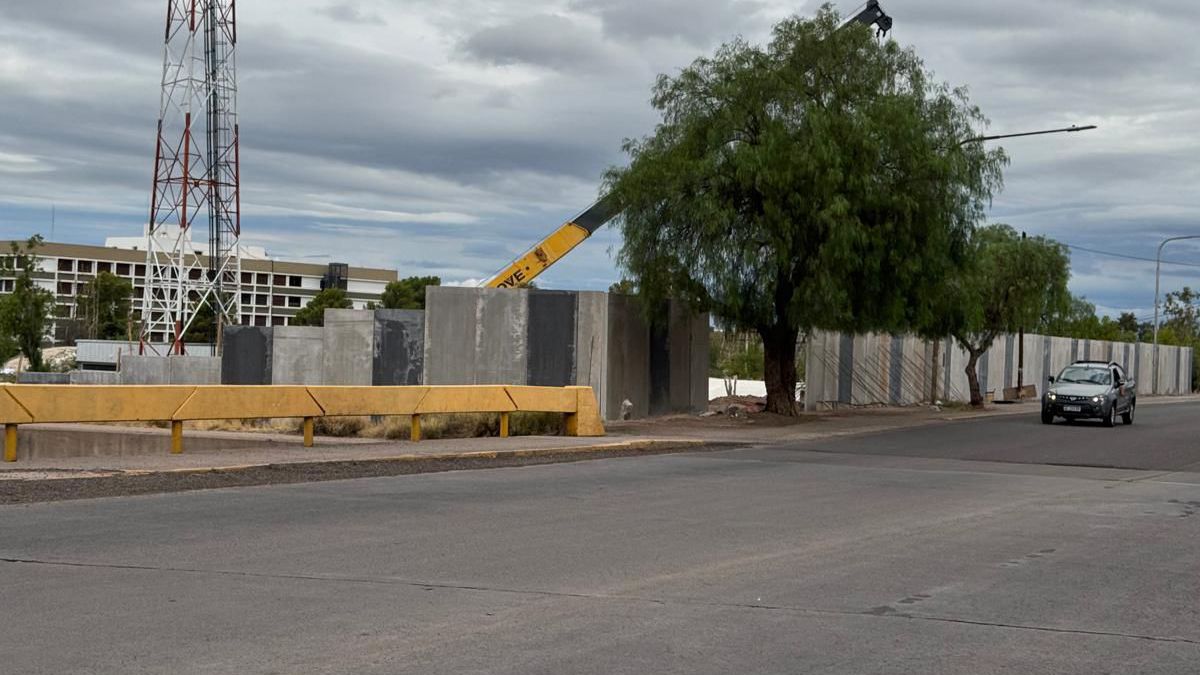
{"x":764,"y":560}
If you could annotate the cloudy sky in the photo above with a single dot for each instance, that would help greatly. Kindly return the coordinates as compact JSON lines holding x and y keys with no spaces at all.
{"x":446,"y":136}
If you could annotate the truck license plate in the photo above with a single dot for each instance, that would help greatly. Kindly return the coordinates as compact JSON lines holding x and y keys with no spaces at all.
{"x":1072,"y":408}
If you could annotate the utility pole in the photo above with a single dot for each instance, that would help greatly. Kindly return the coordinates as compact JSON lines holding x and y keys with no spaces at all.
{"x":1021,"y":352}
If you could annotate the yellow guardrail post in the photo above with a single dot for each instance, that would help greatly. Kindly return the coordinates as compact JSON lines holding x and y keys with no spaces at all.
{"x":176,"y":437}
{"x":308,"y":432}
{"x":415,"y":432}
{"x":503,"y":425}
{"x":10,"y":442}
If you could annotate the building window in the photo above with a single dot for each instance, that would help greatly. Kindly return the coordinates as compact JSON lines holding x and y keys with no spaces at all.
{"x":193,"y":274}
{"x":278,"y":321}
{"x":140,"y":270}
{"x":294,"y":281}
{"x":260,"y":320}
{"x":247,"y":278}
{"x":260,"y":300}
{"x":104,"y":267}
{"x":261,"y":280}
{"x":278,"y":300}
{"x":245,"y":298}
{"x":123,"y":269}
{"x":293,"y":301}
{"x":280,"y":280}
{"x":66,"y":265}
{"x":64,"y":288}
{"x":6,"y":285}
{"x":85,"y":266}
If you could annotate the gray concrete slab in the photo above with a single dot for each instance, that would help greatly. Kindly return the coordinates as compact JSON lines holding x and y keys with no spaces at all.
{"x":32,"y":377}
{"x":145,"y":370}
{"x":348,"y":352}
{"x":591,"y":345}
{"x":451,"y":327}
{"x":298,"y":355}
{"x":742,"y":561}
{"x":95,"y":377}
{"x":551,"y":322}
{"x":502,"y":336}
{"x":399,"y":350}
{"x":246,"y":355}
{"x":628,"y":358}
{"x":193,"y":369}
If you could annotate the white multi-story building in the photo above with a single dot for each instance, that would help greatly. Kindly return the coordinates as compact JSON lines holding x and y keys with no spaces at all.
{"x":271,"y":294}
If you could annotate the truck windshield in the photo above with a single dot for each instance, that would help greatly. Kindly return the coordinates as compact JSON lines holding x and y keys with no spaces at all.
{"x":1077,"y":375}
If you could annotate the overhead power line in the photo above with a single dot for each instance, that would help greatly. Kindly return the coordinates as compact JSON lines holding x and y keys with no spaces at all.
{"x":1126,"y":256}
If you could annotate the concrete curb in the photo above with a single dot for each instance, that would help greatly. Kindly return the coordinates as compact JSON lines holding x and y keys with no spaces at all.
{"x":599,"y":449}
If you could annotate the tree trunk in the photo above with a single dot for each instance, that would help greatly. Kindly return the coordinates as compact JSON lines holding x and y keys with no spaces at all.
{"x":779,"y":368}
{"x":973,"y":377}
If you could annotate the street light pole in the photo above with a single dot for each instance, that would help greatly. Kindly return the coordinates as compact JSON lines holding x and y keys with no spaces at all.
{"x":1157,"y":272}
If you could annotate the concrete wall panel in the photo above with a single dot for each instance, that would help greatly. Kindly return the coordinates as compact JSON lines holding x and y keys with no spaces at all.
{"x":628,"y":358}
{"x":591,"y":345}
{"x":245,"y":355}
{"x":348,"y":352}
{"x":551,"y":338}
{"x":95,"y":377}
{"x":193,"y":369}
{"x":399,"y":347}
{"x":145,"y":370}
{"x":297,"y":355}
{"x":502,"y":337}
{"x":451,"y":324}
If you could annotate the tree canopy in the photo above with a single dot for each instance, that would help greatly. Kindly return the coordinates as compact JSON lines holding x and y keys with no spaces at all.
{"x":820,"y":181}
{"x":407,"y":293}
{"x":24,"y":312}
{"x":313,"y":314}
{"x":1008,"y":282}
{"x":103,"y":307}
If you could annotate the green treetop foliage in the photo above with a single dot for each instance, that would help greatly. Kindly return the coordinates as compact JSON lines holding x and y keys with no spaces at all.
{"x":24,"y":312}
{"x":103,"y":307}
{"x":313,"y":314}
{"x":1006,"y":283}
{"x":408,"y":293}
{"x":1182,"y":316}
{"x":819,"y":181}
{"x":623,"y":287}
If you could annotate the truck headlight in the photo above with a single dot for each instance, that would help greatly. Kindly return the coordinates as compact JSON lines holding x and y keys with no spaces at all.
{"x":1097,"y":399}
{"x":1052,"y":396}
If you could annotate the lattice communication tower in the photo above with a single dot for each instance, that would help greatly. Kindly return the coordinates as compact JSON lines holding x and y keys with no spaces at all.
{"x":196,"y":178}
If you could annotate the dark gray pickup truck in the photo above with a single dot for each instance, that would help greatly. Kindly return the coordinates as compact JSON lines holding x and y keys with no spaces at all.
{"x":1090,"y":390}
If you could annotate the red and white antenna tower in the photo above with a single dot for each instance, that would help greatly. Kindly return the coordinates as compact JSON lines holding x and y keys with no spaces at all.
{"x":196,"y":180}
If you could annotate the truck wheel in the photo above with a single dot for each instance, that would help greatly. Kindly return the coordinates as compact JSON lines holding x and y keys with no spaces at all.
{"x":1111,"y":418}
{"x":1127,"y":416}
{"x":1047,"y":418}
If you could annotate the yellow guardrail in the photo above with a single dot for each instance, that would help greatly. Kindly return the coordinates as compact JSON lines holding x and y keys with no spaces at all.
{"x":34,"y":404}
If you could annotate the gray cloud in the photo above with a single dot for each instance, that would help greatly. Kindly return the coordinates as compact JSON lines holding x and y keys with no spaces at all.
{"x":447,"y":137}
{"x":349,"y":12}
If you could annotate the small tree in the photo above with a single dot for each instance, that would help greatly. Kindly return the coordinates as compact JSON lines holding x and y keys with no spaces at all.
{"x":23,"y":313}
{"x":623,"y":287}
{"x":1008,"y":282}
{"x":103,"y":307}
{"x":820,"y":181}
{"x":313,"y":314}
{"x":1182,"y":315}
{"x":408,"y":293}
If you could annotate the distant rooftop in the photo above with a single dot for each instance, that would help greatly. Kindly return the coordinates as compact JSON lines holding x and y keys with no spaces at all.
{"x":167,"y":236}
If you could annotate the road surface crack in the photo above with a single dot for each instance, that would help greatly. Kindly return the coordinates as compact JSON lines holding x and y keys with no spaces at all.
{"x":879,"y":612}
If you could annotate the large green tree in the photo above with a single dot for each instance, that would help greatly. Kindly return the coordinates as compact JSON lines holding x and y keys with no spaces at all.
{"x":407,"y":293}
{"x":820,"y":181}
{"x":24,"y":312}
{"x":103,"y":307}
{"x":313,"y":314}
{"x":1008,"y":282}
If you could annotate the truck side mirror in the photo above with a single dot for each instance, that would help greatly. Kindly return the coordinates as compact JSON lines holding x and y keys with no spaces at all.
{"x":1051,"y":378}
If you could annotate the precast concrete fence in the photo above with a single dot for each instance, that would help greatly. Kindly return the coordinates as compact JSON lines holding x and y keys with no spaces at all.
{"x":880,"y":369}
{"x":37,"y":404}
